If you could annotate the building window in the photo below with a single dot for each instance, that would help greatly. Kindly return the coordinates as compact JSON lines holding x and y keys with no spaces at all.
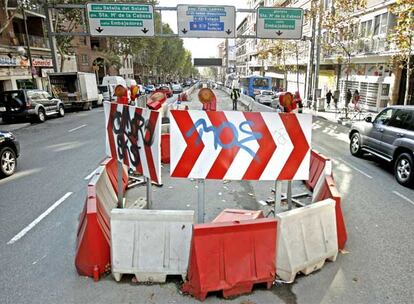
{"x":84,"y":59}
{"x":366,"y":29}
{"x":385,"y":89}
{"x":380,"y":24}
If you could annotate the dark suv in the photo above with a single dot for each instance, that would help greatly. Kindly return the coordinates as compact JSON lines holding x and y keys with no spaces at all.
{"x":32,"y":104}
{"x":389,"y":136}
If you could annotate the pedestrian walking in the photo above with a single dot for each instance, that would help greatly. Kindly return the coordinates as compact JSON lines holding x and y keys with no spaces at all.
{"x":328,"y":98}
{"x":235,"y":95}
{"x":336,"y":98}
{"x":355,"y":99}
{"x":348,"y":97}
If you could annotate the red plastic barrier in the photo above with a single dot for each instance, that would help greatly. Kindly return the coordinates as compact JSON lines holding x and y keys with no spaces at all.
{"x":230,"y":215}
{"x":165,"y":148}
{"x":329,"y":190}
{"x":156,"y":100}
{"x":111,"y":167}
{"x":231,"y":257}
{"x":92,"y":249}
{"x":317,"y":164}
{"x":184,"y":97}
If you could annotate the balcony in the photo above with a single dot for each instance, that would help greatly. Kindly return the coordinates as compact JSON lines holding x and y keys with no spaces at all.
{"x":35,"y":41}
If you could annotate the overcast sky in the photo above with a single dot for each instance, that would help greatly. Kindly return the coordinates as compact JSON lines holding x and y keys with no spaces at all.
{"x":200,"y":48}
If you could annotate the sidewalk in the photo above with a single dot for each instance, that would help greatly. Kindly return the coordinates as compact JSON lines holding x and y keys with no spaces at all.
{"x":334,"y":116}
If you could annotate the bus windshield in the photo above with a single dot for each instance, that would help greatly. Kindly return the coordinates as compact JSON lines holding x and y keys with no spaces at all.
{"x":260,"y":82}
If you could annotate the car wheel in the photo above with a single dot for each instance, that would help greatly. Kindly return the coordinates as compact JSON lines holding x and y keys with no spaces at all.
{"x":61,"y":111}
{"x":41,"y":116}
{"x":355,"y":145}
{"x":404,"y":169}
{"x":8,"y":161}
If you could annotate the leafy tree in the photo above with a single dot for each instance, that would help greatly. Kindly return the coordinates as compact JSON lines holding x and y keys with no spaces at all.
{"x":402,"y":38}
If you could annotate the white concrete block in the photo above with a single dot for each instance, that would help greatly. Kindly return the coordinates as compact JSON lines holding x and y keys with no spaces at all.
{"x":307,"y":236}
{"x":327,"y":170}
{"x":150,"y":243}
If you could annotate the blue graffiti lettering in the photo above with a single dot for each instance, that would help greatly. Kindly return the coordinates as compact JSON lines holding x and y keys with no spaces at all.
{"x":235,"y":142}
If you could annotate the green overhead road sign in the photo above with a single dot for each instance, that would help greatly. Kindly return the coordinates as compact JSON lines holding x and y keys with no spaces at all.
{"x":279,"y":23}
{"x":116,"y":19}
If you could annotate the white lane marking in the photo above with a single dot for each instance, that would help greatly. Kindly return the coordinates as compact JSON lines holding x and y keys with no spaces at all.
{"x":38,"y":260}
{"x":77,"y":128}
{"x":355,"y":168}
{"x":37,"y":221}
{"x":403,"y":197}
{"x":88,"y":177}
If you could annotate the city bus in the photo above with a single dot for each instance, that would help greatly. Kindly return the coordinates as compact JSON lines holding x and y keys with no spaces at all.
{"x":251,"y":85}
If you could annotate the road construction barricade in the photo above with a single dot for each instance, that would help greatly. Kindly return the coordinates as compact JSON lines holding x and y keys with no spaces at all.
{"x":329,"y":190}
{"x":232,"y":257}
{"x":230,"y":215}
{"x":150,"y":243}
{"x":165,"y":148}
{"x":306,"y":238}
{"x":318,"y":164}
{"x":93,"y":237}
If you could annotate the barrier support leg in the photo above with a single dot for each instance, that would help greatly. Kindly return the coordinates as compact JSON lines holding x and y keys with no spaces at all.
{"x":278,"y":195}
{"x":289,"y":194}
{"x":149,"y":193}
{"x":201,"y":200}
{"x":120,"y":185}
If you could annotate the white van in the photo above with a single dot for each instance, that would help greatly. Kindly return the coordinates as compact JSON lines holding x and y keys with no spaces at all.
{"x":130,"y":82}
{"x":112,"y":82}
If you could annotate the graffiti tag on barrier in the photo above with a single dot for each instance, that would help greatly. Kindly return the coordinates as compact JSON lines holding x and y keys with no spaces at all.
{"x":127,"y":130}
{"x":133,"y":137}
{"x":217,"y":131}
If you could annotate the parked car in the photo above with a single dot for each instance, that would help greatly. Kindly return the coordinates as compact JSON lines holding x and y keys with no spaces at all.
{"x":390,"y":136}
{"x":265,"y":97}
{"x":149,"y":88}
{"x":9,"y":152}
{"x":176,"y":88}
{"x":165,"y":89}
{"x":30,"y":104}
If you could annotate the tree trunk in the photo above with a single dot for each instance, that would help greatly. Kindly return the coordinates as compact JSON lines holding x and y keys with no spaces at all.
{"x":407,"y":81}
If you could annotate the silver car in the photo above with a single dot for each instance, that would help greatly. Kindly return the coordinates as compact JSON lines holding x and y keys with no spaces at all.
{"x":265,"y":97}
{"x":389,"y":136}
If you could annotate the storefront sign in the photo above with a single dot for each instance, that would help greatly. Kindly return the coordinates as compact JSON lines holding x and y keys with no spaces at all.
{"x":37,"y":62}
{"x":46,"y":71}
{"x":6,"y":61}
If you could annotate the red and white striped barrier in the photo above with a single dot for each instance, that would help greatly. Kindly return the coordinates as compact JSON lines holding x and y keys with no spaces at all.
{"x":133,"y":136}
{"x":240,"y":145}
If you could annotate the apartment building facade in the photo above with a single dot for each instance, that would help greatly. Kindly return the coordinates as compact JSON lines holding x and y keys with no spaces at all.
{"x":15,"y":69}
{"x":370,"y":72}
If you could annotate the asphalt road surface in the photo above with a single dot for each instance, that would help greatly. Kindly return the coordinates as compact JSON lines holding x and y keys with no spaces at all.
{"x":40,"y":205}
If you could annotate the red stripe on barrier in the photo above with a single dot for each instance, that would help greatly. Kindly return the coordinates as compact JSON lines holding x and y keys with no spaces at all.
{"x":226,"y":156}
{"x":300,"y":146}
{"x":111,"y":132}
{"x":193,"y":149}
{"x":152,"y":122}
{"x":267,"y":146}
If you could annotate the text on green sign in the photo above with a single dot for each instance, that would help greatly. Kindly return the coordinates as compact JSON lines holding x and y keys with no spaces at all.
{"x":120,"y":8}
{"x":279,"y":24}
{"x":121,"y":23}
{"x":119,"y":15}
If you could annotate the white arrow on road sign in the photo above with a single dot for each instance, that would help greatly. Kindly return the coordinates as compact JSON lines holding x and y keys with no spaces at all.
{"x":206,"y":21}
{"x":116,"y":19}
{"x":279,"y":23}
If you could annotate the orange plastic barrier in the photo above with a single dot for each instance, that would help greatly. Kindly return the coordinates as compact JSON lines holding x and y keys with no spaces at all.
{"x":317,"y":164}
{"x":92,"y":249}
{"x":165,"y":148}
{"x":111,"y":167}
{"x":232,"y":257}
{"x":230,"y":215}
{"x":329,"y":190}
